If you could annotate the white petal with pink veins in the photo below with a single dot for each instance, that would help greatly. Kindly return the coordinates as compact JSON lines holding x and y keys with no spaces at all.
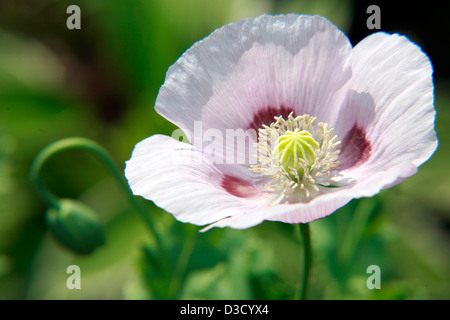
{"x":286,"y":61}
{"x":396,"y":78}
{"x":177,"y":178}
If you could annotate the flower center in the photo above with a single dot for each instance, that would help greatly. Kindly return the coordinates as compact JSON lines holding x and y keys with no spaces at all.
{"x":295,"y":147}
{"x":299,"y":156}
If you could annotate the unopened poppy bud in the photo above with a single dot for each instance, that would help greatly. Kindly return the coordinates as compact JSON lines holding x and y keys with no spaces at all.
{"x":76,"y":226}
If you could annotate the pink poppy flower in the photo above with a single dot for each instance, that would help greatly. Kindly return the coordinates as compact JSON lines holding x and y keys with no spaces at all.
{"x":286,"y":122}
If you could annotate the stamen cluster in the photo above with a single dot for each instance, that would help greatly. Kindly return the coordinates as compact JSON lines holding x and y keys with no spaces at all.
{"x":299,"y":155}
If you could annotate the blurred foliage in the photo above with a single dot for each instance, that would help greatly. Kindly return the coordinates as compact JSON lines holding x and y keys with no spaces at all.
{"x":101,"y":82}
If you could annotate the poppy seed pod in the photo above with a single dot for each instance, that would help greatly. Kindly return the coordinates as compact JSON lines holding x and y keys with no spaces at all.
{"x":76,"y":226}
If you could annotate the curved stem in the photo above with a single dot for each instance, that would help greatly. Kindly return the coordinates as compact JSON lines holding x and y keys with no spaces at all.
{"x":102,"y":154}
{"x":307,"y":260}
{"x":35,"y":171}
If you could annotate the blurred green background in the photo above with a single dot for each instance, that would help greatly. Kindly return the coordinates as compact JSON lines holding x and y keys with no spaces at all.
{"x":101,"y":82}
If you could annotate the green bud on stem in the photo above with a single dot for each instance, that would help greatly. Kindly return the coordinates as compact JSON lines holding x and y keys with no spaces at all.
{"x":76,"y":226}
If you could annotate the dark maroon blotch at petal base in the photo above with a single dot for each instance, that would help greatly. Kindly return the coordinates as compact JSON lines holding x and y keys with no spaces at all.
{"x":266,"y":116}
{"x":238,"y":187}
{"x":355,"y":148}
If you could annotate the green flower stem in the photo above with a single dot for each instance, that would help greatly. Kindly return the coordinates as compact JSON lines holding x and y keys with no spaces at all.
{"x":102,"y":154}
{"x":355,"y":231}
{"x":307,"y":260}
{"x":181,"y":265}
